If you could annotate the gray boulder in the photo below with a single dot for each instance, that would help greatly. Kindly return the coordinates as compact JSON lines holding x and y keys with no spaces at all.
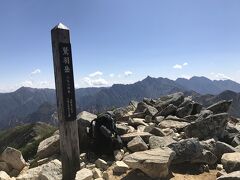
{"x":14,"y":158}
{"x":203,"y":115}
{"x":122,"y":129}
{"x":207,"y":157}
{"x":128,"y":137}
{"x":172,"y":124}
{"x":84,"y":119}
{"x":188,"y":150}
{"x":137,"y":144}
{"x":157,"y":131}
{"x":84,"y":174}
{"x":220,"y":107}
{"x":184,"y":111}
{"x":133,"y":104}
{"x":97,"y":173}
{"x":191,"y":118}
{"x":159,"y":142}
{"x":149,"y":101}
{"x":147,"y":109}
{"x":169,"y":110}
{"x":175,"y":99}
{"x":120,"y":167}
{"x":136,"y":122}
{"x":231,"y":162}
{"x":218,"y":148}
{"x":49,"y":171}
{"x":101,"y":164}
{"x":222,"y":148}
{"x":49,"y":146}
{"x":154,"y":163}
{"x":120,"y":113}
{"x":212,"y":126}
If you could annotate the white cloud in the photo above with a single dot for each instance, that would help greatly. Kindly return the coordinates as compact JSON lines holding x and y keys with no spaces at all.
{"x":97,"y":73}
{"x":177,"y":66}
{"x":128,"y":73}
{"x":27,"y":83}
{"x":36,"y":71}
{"x":35,"y":84}
{"x":111,"y":75}
{"x":95,"y":82}
{"x":220,"y":76}
{"x":180,"y":66}
{"x":185,"y":76}
{"x":43,"y":84}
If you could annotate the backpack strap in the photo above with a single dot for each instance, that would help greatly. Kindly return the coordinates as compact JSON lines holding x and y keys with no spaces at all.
{"x":92,"y":129}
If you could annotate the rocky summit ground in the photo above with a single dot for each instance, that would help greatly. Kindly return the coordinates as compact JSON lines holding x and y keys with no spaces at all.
{"x":171,"y":137}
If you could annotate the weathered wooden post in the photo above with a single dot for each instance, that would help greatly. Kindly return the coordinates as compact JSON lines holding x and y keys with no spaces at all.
{"x":66,"y":105}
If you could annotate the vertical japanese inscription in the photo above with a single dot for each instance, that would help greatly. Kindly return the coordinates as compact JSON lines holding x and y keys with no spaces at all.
{"x":67,"y":81}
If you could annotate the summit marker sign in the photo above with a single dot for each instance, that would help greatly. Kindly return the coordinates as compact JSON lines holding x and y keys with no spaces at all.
{"x":66,"y":105}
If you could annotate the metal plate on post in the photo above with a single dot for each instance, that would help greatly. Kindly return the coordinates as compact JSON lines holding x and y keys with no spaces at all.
{"x":67,"y":81}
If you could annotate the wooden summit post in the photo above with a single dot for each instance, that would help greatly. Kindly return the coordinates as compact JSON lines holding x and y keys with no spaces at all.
{"x":66,"y":105}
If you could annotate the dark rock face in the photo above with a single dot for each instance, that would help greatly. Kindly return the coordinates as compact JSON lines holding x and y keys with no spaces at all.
{"x":185,"y":111}
{"x":212,"y":126}
{"x":207,"y":157}
{"x":222,"y":148}
{"x":220,"y":107}
{"x":175,"y":99}
{"x":218,"y":148}
{"x":186,"y":150}
{"x":236,"y":141}
{"x":196,"y":108}
{"x":143,"y":107}
{"x":192,"y":150}
{"x":169,"y":110}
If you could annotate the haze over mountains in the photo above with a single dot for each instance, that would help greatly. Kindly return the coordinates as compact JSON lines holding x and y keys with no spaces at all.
{"x":32,"y":105}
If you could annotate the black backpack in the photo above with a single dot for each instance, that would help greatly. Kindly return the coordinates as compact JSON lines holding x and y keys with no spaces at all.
{"x":103,"y":134}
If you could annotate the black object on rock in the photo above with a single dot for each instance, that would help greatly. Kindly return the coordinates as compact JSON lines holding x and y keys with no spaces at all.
{"x":103,"y":135}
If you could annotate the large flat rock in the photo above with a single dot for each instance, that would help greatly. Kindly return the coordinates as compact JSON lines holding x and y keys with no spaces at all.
{"x":49,"y":171}
{"x":153,"y":162}
{"x":172,"y":124}
{"x":128,"y":137}
{"x":49,"y":147}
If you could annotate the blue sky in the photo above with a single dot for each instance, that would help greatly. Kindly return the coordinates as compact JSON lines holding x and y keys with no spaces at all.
{"x":120,"y":41}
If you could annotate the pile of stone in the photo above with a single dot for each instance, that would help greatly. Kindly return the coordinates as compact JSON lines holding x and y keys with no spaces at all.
{"x":157,"y":134}
{"x":174,"y":130}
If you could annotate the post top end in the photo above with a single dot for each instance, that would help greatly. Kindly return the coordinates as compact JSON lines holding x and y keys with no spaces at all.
{"x":61,"y":26}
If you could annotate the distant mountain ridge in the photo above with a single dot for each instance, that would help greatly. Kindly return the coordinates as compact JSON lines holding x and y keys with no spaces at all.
{"x":204,"y":85}
{"x":32,"y":105}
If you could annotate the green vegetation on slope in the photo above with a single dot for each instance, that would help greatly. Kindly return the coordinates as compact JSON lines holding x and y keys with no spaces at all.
{"x":25,"y":138}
